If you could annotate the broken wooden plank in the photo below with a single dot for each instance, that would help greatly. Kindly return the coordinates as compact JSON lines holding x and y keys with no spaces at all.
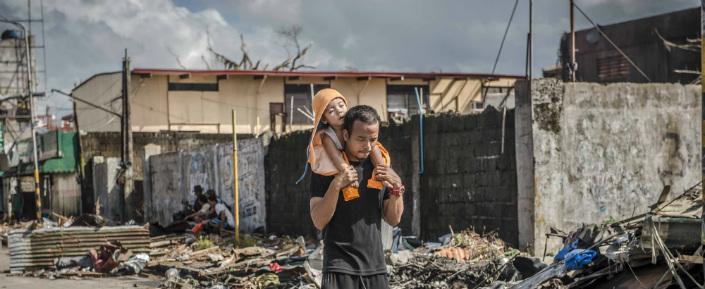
{"x":690,"y":260}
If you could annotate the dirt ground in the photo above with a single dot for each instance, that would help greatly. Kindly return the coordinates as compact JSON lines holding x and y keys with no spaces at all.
{"x":15,"y":282}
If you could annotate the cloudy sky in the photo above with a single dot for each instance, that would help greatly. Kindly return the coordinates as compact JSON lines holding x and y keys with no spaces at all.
{"x":85,"y":37}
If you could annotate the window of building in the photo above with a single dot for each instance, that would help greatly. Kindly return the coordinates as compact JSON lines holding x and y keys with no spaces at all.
{"x":300,"y":96}
{"x":612,"y":68}
{"x":182,"y":86}
{"x":401,"y":100}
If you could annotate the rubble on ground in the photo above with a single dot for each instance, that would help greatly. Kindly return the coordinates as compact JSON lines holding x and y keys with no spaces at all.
{"x":657,"y":249}
{"x":463,"y":260}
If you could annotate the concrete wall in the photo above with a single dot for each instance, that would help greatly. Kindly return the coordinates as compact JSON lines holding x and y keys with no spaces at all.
{"x":107,"y":144}
{"x":173,"y":175}
{"x":467,"y":180}
{"x":107,"y":198}
{"x":605,"y":152}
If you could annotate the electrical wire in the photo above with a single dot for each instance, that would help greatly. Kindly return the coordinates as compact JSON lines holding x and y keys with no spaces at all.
{"x":506,"y":31}
{"x":612,"y":43}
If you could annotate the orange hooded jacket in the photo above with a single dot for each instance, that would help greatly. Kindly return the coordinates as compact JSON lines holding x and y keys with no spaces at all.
{"x":318,"y":159}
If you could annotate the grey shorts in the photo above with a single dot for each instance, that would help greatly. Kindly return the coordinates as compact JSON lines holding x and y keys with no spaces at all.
{"x":332,"y":280}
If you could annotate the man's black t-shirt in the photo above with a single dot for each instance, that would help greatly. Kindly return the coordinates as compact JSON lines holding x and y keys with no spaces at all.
{"x":352,"y":239}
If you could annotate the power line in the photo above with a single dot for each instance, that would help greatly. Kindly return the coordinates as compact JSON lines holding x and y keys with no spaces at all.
{"x":506,"y":31}
{"x":612,"y":43}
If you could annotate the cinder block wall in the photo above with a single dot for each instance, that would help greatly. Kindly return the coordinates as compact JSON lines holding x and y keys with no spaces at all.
{"x":467,"y":180}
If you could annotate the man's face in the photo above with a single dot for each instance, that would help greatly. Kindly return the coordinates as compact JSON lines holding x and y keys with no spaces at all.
{"x":360,"y":141}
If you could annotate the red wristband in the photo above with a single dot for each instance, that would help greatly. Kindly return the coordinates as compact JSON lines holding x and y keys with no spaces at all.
{"x":397,"y":191}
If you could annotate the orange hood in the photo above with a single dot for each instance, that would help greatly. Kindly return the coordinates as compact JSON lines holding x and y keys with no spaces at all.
{"x":320,"y":102}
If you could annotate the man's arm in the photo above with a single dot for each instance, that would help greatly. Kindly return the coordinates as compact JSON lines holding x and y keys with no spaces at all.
{"x":322,"y":209}
{"x":393,"y":207}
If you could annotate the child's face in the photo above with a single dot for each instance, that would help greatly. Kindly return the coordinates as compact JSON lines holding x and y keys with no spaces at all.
{"x":335,"y":112}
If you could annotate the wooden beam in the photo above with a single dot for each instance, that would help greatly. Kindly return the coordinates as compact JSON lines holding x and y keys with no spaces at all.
{"x":687,"y":259}
{"x":185,"y":76}
{"x":222,"y":76}
{"x":361,"y":78}
{"x":294,"y":78}
{"x":328,"y":78}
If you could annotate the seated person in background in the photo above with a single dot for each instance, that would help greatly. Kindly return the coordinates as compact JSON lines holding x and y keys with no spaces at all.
{"x":203,"y":213}
{"x":223,"y":219}
{"x":198,"y":191}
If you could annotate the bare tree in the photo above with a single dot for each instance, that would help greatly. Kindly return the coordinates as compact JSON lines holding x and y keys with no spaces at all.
{"x":245,"y":62}
{"x":291,"y":36}
{"x":178,"y":60}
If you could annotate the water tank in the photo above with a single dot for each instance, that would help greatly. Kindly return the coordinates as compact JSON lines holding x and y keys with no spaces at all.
{"x":11,"y":34}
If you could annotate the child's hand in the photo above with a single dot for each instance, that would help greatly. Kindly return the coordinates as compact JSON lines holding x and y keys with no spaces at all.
{"x":347,"y":167}
{"x":387,"y":175}
{"x":346,"y":178}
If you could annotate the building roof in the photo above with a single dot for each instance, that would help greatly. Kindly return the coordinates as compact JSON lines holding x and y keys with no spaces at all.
{"x":314,"y":73}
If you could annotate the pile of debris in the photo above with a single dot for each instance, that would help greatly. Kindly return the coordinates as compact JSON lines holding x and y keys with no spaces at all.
{"x":213,"y":262}
{"x":464,"y":260}
{"x":659,"y":249}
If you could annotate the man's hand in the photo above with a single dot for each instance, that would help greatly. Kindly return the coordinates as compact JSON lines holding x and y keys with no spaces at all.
{"x":387,"y":175}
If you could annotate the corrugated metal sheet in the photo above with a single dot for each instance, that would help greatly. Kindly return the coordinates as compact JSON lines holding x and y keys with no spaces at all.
{"x":38,"y":249}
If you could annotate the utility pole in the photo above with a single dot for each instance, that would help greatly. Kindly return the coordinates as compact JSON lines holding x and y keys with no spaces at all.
{"x":126,"y":133}
{"x":530,"y":49}
{"x":572,"y":65}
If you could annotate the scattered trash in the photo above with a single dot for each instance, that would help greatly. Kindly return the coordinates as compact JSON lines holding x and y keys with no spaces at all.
{"x":653,"y":250}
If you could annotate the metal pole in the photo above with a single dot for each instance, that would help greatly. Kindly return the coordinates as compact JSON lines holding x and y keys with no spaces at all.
{"x":572,"y":43}
{"x":236,"y":194}
{"x":419,"y":96}
{"x":291,"y":113}
{"x":531,"y":38}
